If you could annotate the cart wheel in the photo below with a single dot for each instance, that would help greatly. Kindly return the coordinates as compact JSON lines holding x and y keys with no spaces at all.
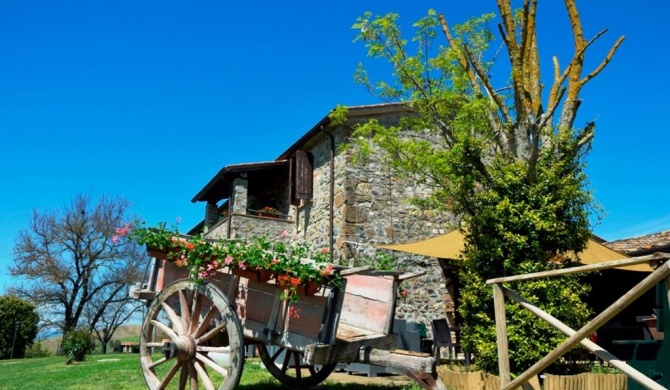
{"x":195,"y":337}
{"x":300,"y":376}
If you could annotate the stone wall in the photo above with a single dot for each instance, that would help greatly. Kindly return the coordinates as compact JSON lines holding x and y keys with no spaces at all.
{"x":243,"y":226}
{"x":371,"y":208}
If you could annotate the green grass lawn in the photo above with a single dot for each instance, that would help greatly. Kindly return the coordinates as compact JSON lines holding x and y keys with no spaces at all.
{"x":122,"y":371}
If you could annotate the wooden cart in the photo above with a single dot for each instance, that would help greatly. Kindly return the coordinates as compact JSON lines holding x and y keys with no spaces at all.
{"x":194,"y":335}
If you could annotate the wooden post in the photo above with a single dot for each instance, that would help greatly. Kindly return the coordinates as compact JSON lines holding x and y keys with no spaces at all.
{"x":588,"y":344}
{"x":501,"y":334}
{"x":609,"y":313}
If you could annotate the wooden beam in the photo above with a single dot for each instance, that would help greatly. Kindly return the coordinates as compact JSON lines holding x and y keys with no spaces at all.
{"x":346,"y":351}
{"x":609,"y":313}
{"x":501,"y":334}
{"x":583,"y":268}
{"x":636,"y":375}
{"x":353,"y":271}
{"x":385,"y":358}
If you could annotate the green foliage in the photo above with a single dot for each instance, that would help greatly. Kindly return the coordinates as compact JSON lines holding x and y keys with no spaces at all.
{"x":293,"y":262}
{"x":77,"y":344}
{"x":115,"y":345}
{"x":17,"y":318}
{"x":511,"y":173}
{"x":383,"y":261}
{"x":36,"y":351}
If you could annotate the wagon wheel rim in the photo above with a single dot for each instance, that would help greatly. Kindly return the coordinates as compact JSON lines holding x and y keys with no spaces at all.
{"x":289,"y":369}
{"x":196,"y":339}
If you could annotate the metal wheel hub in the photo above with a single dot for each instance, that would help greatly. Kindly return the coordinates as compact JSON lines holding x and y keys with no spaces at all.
{"x":182,"y":348}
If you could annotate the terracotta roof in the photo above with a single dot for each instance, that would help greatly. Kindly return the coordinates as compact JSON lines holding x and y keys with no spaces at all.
{"x":637,"y":246}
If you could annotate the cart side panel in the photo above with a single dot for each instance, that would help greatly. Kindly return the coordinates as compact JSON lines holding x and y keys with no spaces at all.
{"x":264,"y":314}
{"x":307,"y":316}
{"x":255,"y":301}
{"x":369,"y":303}
{"x":168,"y":272}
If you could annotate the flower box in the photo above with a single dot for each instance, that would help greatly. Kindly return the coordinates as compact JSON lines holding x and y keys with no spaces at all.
{"x":162,"y":254}
{"x":255,"y":274}
{"x":311,"y":287}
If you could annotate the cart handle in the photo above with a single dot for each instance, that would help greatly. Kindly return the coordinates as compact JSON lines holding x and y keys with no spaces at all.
{"x":353,"y":271}
{"x":410,"y":275}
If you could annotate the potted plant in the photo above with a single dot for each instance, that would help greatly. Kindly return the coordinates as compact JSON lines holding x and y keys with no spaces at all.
{"x":269,"y":211}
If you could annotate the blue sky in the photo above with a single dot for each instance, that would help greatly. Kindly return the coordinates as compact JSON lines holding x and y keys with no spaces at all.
{"x":149,"y":99}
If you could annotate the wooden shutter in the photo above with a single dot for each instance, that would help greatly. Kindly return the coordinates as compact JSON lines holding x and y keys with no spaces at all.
{"x":303,"y":175}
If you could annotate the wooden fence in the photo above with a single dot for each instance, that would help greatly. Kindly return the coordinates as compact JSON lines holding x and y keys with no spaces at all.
{"x":586,"y":382}
{"x":477,"y":380}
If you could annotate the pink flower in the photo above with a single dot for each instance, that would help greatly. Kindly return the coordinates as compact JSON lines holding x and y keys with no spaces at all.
{"x":324,"y":250}
{"x":242,"y":266}
{"x":124,"y":230}
{"x":181,"y":261}
{"x":283,"y":234}
{"x":293,"y":312}
{"x":228,"y":260}
{"x":327,"y":270}
{"x":115,"y":239}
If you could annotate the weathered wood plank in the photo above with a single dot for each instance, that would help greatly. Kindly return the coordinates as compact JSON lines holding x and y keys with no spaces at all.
{"x":364,"y":313}
{"x":353,"y":271}
{"x":370,"y":287}
{"x":168,"y":272}
{"x":346,"y":350}
{"x":583,"y":268}
{"x":609,"y":313}
{"x":501,"y":334}
{"x":588,"y":344}
{"x":386,"y":358}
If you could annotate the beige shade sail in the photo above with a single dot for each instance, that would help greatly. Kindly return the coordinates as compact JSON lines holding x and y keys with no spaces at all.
{"x":450,"y":245}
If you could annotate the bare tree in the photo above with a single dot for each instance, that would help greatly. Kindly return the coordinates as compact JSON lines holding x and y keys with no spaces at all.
{"x":67,"y":259}
{"x":107,"y":311}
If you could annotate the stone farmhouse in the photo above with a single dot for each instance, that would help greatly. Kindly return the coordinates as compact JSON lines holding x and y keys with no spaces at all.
{"x":314,"y":190}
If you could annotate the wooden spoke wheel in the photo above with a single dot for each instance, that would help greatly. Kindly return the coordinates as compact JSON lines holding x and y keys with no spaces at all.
{"x":191,"y":338}
{"x":286,"y":365}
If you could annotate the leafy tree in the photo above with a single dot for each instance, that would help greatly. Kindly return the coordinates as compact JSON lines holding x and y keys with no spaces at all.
{"x":18,"y":326}
{"x":69,"y":261}
{"x":501,"y":154}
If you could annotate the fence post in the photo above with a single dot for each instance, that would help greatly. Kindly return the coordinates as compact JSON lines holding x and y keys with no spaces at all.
{"x":501,"y":334}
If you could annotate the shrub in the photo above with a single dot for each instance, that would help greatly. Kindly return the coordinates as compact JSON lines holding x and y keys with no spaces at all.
{"x":36,"y":351}
{"x":115,"y":345}
{"x":77,"y":344}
